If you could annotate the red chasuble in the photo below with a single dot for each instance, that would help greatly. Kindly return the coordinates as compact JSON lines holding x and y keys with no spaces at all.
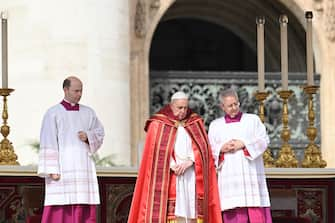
{"x":154,"y":195}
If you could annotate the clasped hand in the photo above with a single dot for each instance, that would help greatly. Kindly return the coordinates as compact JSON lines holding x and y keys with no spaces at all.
{"x":180,"y":169}
{"x":82,"y":136}
{"x":232,"y":146}
{"x":54,"y":176}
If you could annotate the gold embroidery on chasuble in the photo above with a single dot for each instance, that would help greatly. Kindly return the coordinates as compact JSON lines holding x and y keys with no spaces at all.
{"x":160,"y":172}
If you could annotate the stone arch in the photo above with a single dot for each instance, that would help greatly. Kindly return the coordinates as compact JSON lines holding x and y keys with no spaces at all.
{"x":210,"y":11}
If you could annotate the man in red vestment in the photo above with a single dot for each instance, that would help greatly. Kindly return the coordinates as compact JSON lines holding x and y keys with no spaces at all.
{"x":176,"y":180}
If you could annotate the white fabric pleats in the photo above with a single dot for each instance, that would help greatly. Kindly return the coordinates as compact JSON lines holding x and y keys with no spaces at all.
{"x":185,"y":184}
{"x":62,"y":152}
{"x":241,"y":178}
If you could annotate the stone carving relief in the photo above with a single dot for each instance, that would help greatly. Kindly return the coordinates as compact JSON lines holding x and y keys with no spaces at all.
{"x":155,"y":4}
{"x":141,"y":14}
{"x":327,"y":10}
{"x":318,"y":5}
{"x":329,"y":19}
{"x":140,"y":19}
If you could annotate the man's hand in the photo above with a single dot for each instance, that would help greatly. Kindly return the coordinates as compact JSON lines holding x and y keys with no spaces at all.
{"x":227,"y":147}
{"x":54,"y":176}
{"x":83,"y":136}
{"x":237,"y":144}
{"x":232,"y":146}
{"x":180,"y":169}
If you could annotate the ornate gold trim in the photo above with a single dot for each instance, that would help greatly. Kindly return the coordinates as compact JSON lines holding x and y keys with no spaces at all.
{"x":286,"y":156}
{"x":7,"y":154}
{"x":312,"y":157}
{"x":267,"y":155}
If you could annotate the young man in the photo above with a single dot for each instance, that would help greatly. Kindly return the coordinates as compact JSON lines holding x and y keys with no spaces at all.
{"x":238,"y":141}
{"x":70,"y":134}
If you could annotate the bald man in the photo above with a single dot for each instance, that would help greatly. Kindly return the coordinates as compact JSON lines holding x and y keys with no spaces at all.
{"x":71,"y":133}
{"x":176,"y":180}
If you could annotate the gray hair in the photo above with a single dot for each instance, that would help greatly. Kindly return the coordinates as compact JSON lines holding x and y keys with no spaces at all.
{"x":228,"y":93}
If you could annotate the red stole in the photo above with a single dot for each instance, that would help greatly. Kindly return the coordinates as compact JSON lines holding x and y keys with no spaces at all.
{"x":150,"y":199}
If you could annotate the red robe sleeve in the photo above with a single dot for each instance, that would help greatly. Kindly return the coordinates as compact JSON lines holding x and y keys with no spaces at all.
{"x":139,"y":201}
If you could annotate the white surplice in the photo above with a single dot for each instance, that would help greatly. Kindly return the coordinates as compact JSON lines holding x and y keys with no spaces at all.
{"x":62,"y":152}
{"x":241,"y":178}
{"x":185,"y":183}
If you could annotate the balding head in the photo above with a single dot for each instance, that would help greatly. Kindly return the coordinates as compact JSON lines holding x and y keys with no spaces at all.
{"x":73,"y":88}
{"x":67,"y":82}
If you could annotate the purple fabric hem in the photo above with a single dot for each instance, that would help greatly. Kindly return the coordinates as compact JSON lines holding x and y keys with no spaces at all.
{"x":247,"y":215}
{"x":78,"y":213}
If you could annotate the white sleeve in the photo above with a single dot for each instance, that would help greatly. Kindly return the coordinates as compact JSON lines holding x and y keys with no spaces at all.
{"x":48,"y":154}
{"x":95,"y":135}
{"x":215,"y":145}
{"x":258,"y":142}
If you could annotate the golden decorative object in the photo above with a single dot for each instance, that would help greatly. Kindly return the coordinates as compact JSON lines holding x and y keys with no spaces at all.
{"x":286,"y":157}
{"x":7,"y":154}
{"x":312,"y":156}
{"x":267,"y":155}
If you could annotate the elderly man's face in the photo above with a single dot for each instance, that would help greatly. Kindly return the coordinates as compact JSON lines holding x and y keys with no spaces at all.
{"x":231,"y":106}
{"x":179,"y":108}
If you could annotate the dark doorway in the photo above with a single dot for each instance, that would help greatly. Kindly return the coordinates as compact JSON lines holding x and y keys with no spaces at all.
{"x":198,"y":45}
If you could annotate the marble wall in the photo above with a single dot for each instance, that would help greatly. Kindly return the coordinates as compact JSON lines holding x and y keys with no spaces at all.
{"x":49,"y":40}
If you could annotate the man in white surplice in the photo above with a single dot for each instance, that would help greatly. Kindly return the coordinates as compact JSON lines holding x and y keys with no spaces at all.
{"x":70,"y":134}
{"x":238,"y":142}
